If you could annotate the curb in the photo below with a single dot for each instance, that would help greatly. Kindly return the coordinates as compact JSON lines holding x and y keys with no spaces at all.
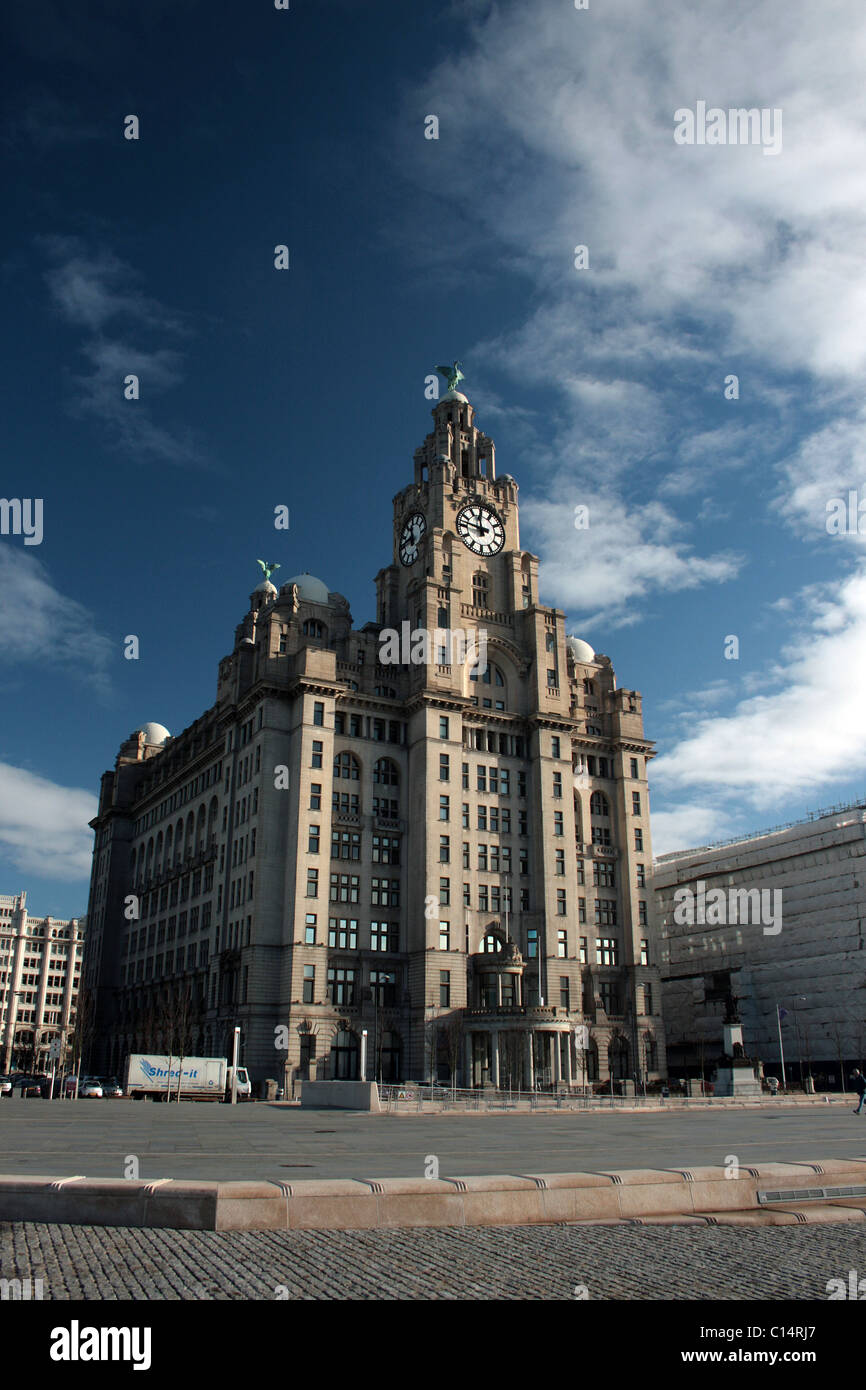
{"x":645,"y":1196}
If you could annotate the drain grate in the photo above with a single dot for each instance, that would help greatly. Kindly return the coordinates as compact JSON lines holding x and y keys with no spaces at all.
{"x":810,"y":1194}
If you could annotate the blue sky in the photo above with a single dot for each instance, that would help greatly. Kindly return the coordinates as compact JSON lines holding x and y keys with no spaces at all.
{"x":602,"y":386}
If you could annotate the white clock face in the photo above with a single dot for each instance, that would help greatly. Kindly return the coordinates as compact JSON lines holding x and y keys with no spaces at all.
{"x":480,"y":529}
{"x":410,"y":537}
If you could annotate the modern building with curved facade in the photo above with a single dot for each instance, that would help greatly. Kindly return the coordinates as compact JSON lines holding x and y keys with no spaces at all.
{"x":433,"y":829}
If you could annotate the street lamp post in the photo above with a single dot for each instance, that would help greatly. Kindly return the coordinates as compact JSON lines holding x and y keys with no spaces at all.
{"x":235,"y":1049}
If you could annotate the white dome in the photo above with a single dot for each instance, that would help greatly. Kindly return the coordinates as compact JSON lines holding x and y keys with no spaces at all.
{"x":155,"y":734}
{"x":580,"y":650}
{"x":266,"y":587}
{"x":454,"y":396}
{"x":310,"y":588}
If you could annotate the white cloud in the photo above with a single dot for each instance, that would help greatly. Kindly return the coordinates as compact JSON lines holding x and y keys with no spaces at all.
{"x":624,"y":554}
{"x":44,"y":827}
{"x":801,"y":737}
{"x":689,"y":827}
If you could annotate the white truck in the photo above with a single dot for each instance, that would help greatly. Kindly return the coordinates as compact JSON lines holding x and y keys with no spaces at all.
{"x":200,"y":1078}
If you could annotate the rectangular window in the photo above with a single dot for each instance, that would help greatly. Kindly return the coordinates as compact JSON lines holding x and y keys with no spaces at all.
{"x":444,"y":989}
{"x":505,"y":816}
{"x":557,"y":823}
{"x":444,"y":808}
{"x":609,"y":997}
{"x":641,"y":914}
{"x":341,"y":985}
{"x":444,"y":849}
{"x":318,"y":712}
{"x":605,"y":912}
{"x":384,"y":936}
{"x":635,"y":803}
{"x":581,"y":909}
{"x":644,"y":953}
{"x":602,"y":875}
{"x":313,"y":841}
{"x":483,"y":904}
{"x":482,"y":817}
{"x":557,"y":785}
{"x":494,"y":818}
{"x":317,"y":753}
{"x":386,"y":849}
{"x":601,"y":835}
{"x":521,"y":784}
{"x":554,"y":746}
{"x":345,"y":888}
{"x":465,"y":776}
{"x":444,"y":936}
{"x":564,"y":996}
{"x":638,"y":841}
{"x":641,"y":876}
{"x":633,"y":765}
{"x":465,"y":816}
{"x":560,"y":902}
{"x":310,"y":931}
{"x":339,"y":723}
{"x":559,"y":868}
{"x":385,"y":892}
{"x":343,"y":933}
{"x":445,"y":892}
{"x":443,"y":726}
{"x":309,"y":984}
{"x":606,"y":951}
{"x":532,"y":943}
{"x":467,"y":895}
{"x":562,"y":944}
{"x":444,"y":767}
{"x":481,"y":783}
{"x":312,"y":883}
{"x":582,"y":957}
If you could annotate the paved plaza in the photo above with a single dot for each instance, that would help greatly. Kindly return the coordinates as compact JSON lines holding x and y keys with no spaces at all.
{"x":519,"y":1262}
{"x":95,"y":1139}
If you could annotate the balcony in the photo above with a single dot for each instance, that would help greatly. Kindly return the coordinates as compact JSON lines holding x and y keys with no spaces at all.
{"x":533,"y":1013}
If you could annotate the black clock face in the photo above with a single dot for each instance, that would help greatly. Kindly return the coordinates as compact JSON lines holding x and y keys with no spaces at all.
{"x":410,"y":537}
{"x":480,"y":529}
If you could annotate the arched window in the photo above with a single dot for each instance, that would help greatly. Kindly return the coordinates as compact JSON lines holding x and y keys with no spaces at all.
{"x":598,"y":804}
{"x":491,"y":675}
{"x":344,"y":1056}
{"x":480,"y":589}
{"x":491,"y":943}
{"x":385,"y":773}
{"x":313,"y":628}
{"x":347,"y":765}
{"x":387,"y":691}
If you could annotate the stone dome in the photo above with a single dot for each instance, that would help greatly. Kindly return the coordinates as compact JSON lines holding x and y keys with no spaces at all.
{"x":155,"y":734}
{"x":455,"y":396}
{"x":580,"y":650}
{"x":310,"y":588}
{"x":266,"y":587}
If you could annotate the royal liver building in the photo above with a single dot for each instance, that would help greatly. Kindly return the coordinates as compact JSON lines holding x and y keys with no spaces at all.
{"x":434,"y":828}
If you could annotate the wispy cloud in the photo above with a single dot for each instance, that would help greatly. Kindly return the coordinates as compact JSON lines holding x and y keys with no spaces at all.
{"x":41,"y":624}
{"x":98,"y":292}
{"x":44,"y":827}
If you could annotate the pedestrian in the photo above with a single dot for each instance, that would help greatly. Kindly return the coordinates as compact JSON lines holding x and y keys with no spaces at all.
{"x":860,"y":1087}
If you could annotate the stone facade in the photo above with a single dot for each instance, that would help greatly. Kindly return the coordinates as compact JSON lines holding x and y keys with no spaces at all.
{"x":451,"y":854}
{"x":808,"y":958}
{"x":40,"y":969}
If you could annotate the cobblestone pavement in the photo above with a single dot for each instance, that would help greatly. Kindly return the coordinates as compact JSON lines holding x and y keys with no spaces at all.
{"x":520,"y":1262}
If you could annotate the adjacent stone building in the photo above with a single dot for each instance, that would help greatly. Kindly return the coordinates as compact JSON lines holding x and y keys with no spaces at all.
{"x":777,"y":920}
{"x":434,"y":828}
{"x":40,"y":972}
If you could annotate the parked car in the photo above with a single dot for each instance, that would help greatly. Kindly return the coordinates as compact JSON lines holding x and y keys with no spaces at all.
{"x":5,"y":1086}
{"x":31,"y":1084}
{"x":90,"y":1089}
{"x":110,"y":1087}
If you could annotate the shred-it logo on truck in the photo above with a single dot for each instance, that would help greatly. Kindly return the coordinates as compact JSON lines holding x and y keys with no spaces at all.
{"x":160,"y":1073}
{"x":77,"y":1343}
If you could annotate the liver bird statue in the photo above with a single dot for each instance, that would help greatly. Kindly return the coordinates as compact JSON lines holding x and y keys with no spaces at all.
{"x":268,"y":566}
{"x":452,"y":375}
